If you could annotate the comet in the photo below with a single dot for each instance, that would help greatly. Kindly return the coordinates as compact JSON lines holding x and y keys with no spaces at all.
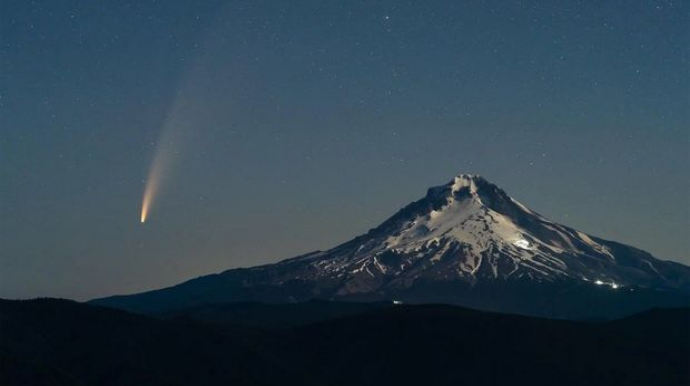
{"x":149,"y":190}
{"x":161,"y":167}
{"x":188,"y":106}
{"x":166,"y":153}
{"x":145,"y":204}
{"x":165,"y":157}
{"x":151,"y":187}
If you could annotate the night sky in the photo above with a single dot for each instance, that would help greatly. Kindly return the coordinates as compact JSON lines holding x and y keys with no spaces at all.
{"x":290,"y":126}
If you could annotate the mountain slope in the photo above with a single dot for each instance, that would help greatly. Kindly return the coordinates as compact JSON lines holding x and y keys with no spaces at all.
{"x":466,"y":242}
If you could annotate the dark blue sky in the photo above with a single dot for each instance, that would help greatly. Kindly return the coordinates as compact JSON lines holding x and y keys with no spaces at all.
{"x":300,"y":124}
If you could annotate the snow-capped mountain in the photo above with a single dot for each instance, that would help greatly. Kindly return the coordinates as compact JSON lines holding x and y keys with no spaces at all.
{"x":466,"y":242}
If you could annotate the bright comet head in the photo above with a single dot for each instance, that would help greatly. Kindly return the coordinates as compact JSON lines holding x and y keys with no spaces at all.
{"x":146,"y":202}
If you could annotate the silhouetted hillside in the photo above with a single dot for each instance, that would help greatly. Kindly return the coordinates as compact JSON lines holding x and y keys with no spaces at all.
{"x":272,"y":316}
{"x":57,"y":342}
{"x":53,"y":342}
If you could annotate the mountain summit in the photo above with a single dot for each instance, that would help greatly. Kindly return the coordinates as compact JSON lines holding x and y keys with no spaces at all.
{"x":466,"y":242}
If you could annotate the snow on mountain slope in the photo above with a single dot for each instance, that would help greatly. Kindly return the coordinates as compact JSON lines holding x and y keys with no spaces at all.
{"x":468,"y":234}
{"x":470,"y":230}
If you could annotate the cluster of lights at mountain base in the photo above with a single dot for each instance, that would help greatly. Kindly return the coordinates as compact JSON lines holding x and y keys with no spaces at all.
{"x":610,"y":284}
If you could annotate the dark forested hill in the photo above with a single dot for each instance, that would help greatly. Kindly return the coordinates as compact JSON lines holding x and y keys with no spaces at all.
{"x":58,"y":342}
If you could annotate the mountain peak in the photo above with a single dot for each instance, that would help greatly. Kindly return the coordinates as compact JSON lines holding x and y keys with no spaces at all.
{"x":468,"y":177}
{"x":476,"y":189}
{"x":462,"y":180}
{"x":465,"y":234}
{"x":468,"y":182}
